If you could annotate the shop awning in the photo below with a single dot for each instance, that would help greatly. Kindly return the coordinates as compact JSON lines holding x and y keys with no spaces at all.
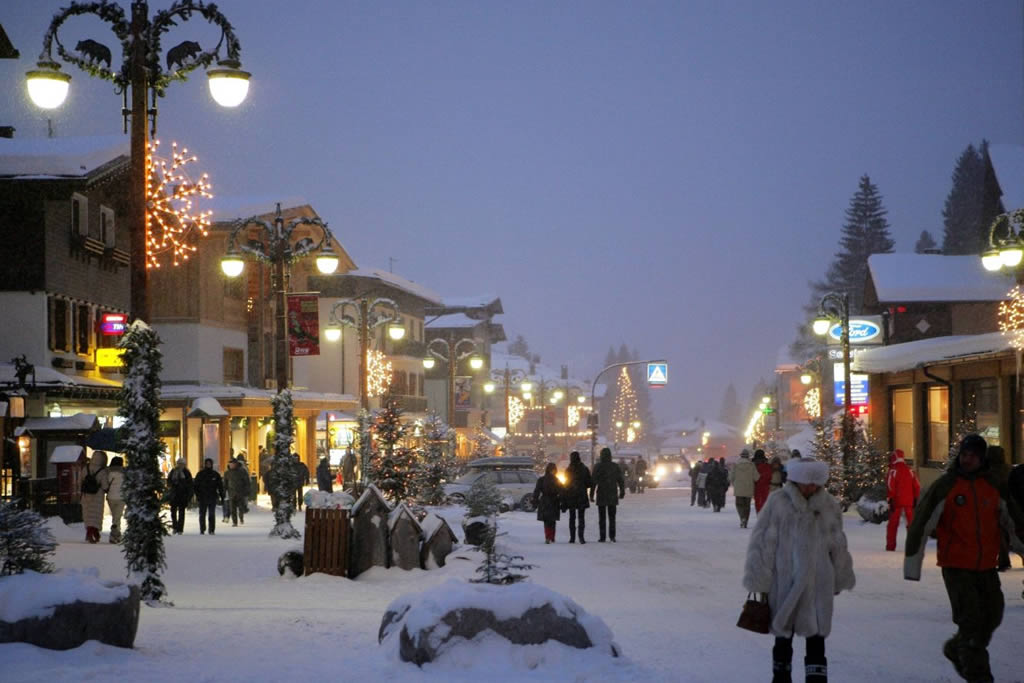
{"x":66,"y":454}
{"x":82,"y":422}
{"x":936,"y":350}
{"x":207,"y":406}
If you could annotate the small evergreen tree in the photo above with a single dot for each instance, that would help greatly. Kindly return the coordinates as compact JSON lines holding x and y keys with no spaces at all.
{"x":437,"y":462}
{"x":393,"y":467}
{"x":826,"y":448}
{"x":870,"y":465}
{"x":499,"y":568}
{"x":25,"y":541}
{"x":482,"y":446}
{"x":143,"y":487}
{"x":925,"y":243}
{"x":282,"y":465}
{"x":483,"y":498}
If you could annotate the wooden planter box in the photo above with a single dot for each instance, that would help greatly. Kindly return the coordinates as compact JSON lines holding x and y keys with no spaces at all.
{"x":326,"y":542}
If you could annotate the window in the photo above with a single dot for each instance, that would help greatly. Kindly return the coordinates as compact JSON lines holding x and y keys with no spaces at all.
{"x":234,"y":365}
{"x":79,"y":215}
{"x":903,"y":421}
{"x":58,"y":324}
{"x":938,"y":424}
{"x":107,"y":235}
{"x":421,"y":385}
{"x":981,"y":404}
{"x":83,"y":328}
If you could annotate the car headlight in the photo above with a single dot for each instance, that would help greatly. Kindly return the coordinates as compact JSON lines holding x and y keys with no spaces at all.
{"x":679,"y":469}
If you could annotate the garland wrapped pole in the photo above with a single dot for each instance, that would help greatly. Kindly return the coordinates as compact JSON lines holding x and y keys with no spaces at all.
{"x":143,"y":483}
{"x":282,"y":466}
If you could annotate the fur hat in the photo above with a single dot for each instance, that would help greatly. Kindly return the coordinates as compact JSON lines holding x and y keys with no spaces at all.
{"x":807,"y":471}
{"x":896,"y":456}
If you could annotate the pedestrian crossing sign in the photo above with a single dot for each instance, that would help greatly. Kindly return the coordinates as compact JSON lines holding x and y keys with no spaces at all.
{"x":657,"y":374}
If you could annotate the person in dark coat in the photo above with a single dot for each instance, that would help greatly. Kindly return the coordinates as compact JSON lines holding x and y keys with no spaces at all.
{"x":547,"y":499}
{"x":209,"y":489}
{"x":640,"y":474}
{"x":301,"y":475}
{"x":577,"y":489}
{"x":179,"y":493}
{"x":694,"y":474}
{"x":237,"y":483}
{"x":324,"y":480}
{"x":609,"y":487}
{"x":717,"y":484}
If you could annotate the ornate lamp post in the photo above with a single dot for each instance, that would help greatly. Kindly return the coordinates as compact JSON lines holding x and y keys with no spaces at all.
{"x":834,"y":308}
{"x":141,"y":73}
{"x":507,"y":378}
{"x":275,"y":246}
{"x":447,"y":350}
{"x":365,"y":315}
{"x":1005,"y":242}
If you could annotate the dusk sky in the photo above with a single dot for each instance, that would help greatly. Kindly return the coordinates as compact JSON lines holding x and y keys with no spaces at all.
{"x":668,"y":175}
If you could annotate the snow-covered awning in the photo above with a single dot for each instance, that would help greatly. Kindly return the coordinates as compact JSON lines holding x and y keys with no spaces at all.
{"x":66,"y":454}
{"x":905,"y":278}
{"x":207,"y":406}
{"x":899,"y":357}
{"x":82,"y":422}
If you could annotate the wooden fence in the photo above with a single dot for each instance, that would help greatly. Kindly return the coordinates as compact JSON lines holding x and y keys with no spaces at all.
{"x":327,"y":542}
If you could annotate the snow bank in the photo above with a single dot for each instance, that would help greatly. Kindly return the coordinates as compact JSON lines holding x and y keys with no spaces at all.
{"x":322,"y":499}
{"x":32,"y":594}
{"x":424,"y":610}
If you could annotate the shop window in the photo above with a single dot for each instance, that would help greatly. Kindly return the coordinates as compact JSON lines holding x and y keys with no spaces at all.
{"x":107,"y":235}
{"x":903,"y":421}
{"x":234,"y":365}
{"x":938,"y":424}
{"x":83,"y":328}
{"x":981,"y":405}
{"x":58,"y":324}
{"x":79,"y":215}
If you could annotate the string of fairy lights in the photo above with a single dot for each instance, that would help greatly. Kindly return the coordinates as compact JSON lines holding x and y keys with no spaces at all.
{"x":1011,"y":317}
{"x":378,"y":373}
{"x":173,"y":224}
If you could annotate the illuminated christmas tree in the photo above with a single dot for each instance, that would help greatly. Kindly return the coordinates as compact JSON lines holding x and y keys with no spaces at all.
{"x":392,"y":466}
{"x":436,"y":461}
{"x":626,"y":412}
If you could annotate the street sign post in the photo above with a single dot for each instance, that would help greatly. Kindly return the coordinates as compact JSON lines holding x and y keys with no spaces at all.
{"x":657,"y":374}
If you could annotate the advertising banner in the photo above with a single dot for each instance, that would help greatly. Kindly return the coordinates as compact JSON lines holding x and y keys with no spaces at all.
{"x":303,"y":325}
{"x":864,"y":329}
{"x":858,"y":386}
{"x":463,"y":391}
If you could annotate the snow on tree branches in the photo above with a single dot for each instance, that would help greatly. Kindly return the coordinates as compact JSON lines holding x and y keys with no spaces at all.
{"x":437,"y":461}
{"x":25,"y":541}
{"x":283,"y":466}
{"x":499,"y":568}
{"x":393,"y":467}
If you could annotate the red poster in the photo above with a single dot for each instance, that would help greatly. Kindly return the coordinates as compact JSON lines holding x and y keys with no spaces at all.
{"x":303,"y":325}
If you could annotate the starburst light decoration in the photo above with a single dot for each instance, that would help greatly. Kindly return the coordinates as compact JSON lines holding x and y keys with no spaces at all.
{"x":378,"y":373}
{"x":812,"y":403}
{"x":574,"y":416}
{"x":1011,"y":317}
{"x":516,"y":410}
{"x":173,"y":225}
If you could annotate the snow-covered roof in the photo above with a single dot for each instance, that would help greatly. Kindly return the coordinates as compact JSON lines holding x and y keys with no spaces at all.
{"x":193,"y":391}
{"x":479,"y":301}
{"x":48,"y":377}
{"x":453,"y":320}
{"x":898,"y":357}
{"x":398,"y":282}
{"x":82,"y":422}
{"x":432,"y":524}
{"x":402,"y":510}
{"x":698,"y":425}
{"x":66,"y":454}
{"x":207,"y":406}
{"x":1008,"y":163}
{"x":228,"y":208}
{"x":935,"y":277}
{"x":59,"y":157}
{"x":370,"y":492}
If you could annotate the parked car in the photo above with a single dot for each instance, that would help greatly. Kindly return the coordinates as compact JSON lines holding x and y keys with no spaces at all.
{"x":512,"y":475}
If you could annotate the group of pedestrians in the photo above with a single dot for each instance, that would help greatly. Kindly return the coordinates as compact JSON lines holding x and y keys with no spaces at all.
{"x":102,"y":483}
{"x":605,"y":487}
{"x":209,"y":489}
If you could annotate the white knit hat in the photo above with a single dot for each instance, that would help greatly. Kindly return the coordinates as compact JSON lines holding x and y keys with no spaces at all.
{"x":807,"y":471}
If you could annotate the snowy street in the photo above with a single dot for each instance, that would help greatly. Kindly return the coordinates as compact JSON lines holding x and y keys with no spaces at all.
{"x":669,"y":590}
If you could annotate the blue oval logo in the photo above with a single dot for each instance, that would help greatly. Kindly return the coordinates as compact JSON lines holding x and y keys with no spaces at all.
{"x":860,"y":331}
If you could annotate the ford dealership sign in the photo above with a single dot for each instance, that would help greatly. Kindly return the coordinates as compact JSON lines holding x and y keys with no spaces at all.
{"x":863,"y":330}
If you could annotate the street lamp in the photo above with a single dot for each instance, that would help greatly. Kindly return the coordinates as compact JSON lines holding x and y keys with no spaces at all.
{"x":507,"y":378}
{"x":365,"y":315}
{"x":452,"y":355}
{"x":276,"y":247}
{"x":141,"y":73}
{"x":1005,"y":241}
{"x":836,"y":307}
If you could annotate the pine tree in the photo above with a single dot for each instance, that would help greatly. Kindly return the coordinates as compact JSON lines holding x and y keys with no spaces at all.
{"x":625,"y":411}
{"x":869,"y":467}
{"x":730,"y":413}
{"x":972,"y":203}
{"x":638,"y":373}
{"x":281,"y":464}
{"x":483,"y":498}
{"x":393,"y":466}
{"x":519,"y":347}
{"x":143,"y":487}
{"x":499,"y":568}
{"x":865,"y":232}
{"x":925,"y":243}
{"x":482,"y":446}
{"x":25,"y":541}
{"x":437,"y":463}
{"x":824,"y":447}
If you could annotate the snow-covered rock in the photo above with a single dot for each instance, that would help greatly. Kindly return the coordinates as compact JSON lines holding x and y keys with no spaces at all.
{"x":423,"y":627}
{"x":874,"y":511}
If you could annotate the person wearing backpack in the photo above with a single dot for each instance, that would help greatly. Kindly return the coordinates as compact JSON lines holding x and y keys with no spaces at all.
{"x":115,"y":501}
{"x":93,"y":495}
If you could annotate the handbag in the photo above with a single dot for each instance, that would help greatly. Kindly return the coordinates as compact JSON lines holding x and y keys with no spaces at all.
{"x":756,"y":615}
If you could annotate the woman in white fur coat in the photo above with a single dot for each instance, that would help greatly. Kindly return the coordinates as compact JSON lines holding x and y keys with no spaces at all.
{"x":798,"y":556}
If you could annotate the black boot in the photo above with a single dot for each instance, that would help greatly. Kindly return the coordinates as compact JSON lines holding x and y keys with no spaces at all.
{"x":782,"y":661}
{"x":816,"y":669}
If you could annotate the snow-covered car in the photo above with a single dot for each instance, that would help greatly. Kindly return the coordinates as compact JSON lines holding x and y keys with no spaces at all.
{"x":512,"y":475}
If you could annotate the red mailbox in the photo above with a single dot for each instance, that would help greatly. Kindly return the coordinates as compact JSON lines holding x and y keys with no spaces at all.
{"x":70,"y":462}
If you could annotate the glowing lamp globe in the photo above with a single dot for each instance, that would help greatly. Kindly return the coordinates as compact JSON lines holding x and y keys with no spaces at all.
{"x":636,"y":424}
{"x":326,"y":261}
{"x":396,"y":330}
{"x":527,"y":387}
{"x":47,"y":86}
{"x":805,"y":378}
{"x":476,"y":362}
{"x":228,"y":83}
{"x":232,"y":265}
{"x":581,"y":399}
{"x":991,"y":260}
{"x":558,"y":395}
{"x":332,"y":333}
{"x":527,"y":395}
{"x":821,"y":325}
{"x":428,"y":362}
{"x":1011,"y":255}
{"x":618,"y":424}
{"x":489,"y":387}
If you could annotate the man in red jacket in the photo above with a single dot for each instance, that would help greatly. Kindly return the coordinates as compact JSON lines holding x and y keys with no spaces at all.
{"x":904,"y":490}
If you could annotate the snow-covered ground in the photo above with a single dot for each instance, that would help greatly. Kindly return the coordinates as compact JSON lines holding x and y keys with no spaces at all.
{"x":669,"y":590}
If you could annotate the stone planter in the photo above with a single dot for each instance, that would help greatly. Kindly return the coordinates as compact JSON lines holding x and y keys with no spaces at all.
{"x":72,"y":624}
